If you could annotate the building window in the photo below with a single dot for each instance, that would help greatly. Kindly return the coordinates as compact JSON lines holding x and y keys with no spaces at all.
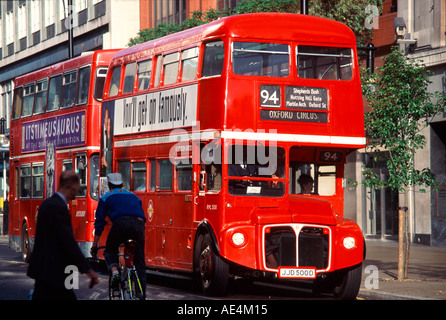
{"x":226,"y":4}
{"x":21,"y":19}
{"x":9,"y":28}
{"x":9,"y":6}
{"x":169,"y":11}
{"x":35,"y":16}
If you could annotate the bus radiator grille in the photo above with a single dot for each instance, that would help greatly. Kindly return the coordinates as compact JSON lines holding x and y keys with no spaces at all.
{"x":313,"y":248}
{"x":281,"y":242}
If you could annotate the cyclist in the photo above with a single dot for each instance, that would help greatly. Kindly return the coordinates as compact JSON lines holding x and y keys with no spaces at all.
{"x":124,"y":210}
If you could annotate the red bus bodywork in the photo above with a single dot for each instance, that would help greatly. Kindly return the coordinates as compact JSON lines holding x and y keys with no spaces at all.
{"x":55,"y":126}
{"x":286,"y":85}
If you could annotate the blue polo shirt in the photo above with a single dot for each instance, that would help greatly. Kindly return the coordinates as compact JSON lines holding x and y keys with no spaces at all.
{"x":115,"y":204}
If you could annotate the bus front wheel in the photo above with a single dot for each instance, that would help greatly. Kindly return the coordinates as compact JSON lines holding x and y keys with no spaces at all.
{"x":350,"y":283}
{"x":344,"y":284}
{"x":213,"y":272}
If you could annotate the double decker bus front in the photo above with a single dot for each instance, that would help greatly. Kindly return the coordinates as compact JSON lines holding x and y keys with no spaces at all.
{"x":293,"y":114}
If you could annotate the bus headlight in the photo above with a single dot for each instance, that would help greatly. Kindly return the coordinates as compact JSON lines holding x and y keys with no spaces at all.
{"x":238,"y":239}
{"x":349,"y":243}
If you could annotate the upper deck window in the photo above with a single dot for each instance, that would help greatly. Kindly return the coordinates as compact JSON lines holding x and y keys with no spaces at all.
{"x":129,"y":77}
{"x":18,"y":100}
{"x":54,"y":90}
{"x":214,"y":54}
{"x":170,"y":68}
{"x":144,"y":74}
{"x":69,"y":88}
{"x":41,"y":95}
{"x":101,"y":74}
{"x":327,"y":63}
{"x":189,"y":62}
{"x":28,"y":100}
{"x":159,"y":61}
{"x":84,"y":85}
{"x":261,"y":59}
{"x":114,"y":83}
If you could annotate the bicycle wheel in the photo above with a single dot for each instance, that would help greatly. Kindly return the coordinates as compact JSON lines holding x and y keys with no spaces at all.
{"x":115,"y":292}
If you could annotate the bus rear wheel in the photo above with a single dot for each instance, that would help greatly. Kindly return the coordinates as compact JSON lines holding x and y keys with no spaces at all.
{"x":26,"y":252}
{"x":213,"y":272}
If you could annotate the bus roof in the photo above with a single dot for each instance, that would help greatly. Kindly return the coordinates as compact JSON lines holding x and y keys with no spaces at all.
{"x":275,"y":26}
{"x":100,"y":56}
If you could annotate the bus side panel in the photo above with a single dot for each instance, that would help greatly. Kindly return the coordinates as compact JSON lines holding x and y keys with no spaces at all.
{"x":164,"y":240}
{"x":211,"y":110}
{"x":182,"y":231}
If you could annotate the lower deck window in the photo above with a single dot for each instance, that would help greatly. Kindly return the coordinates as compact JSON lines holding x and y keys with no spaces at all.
{"x":312,"y":179}
{"x":256,"y":171}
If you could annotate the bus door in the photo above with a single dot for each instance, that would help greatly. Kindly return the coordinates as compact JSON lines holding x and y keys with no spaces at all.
{"x":78,"y":206}
{"x":183,"y":213}
{"x":163,"y":219}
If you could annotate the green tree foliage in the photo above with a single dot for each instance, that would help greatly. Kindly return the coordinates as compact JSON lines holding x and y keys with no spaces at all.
{"x":400,"y":108}
{"x":253,"y":6}
{"x":353,"y":13}
{"x":357,"y":15}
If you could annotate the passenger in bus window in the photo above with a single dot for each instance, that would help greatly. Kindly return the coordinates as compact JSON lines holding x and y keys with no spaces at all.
{"x":242,"y":170}
{"x":306,"y":183}
{"x":139,"y":178}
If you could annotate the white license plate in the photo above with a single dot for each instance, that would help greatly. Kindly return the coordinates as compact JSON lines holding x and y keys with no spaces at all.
{"x":297,"y":273}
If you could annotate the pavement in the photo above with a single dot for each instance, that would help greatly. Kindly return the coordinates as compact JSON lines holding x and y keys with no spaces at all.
{"x":426,"y":273}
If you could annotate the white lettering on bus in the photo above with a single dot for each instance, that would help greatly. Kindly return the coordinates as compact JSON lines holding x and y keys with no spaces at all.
{"x":167,"y":109}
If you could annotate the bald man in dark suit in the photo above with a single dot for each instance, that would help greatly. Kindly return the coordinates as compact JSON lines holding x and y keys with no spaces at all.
{"x":55,"y":247}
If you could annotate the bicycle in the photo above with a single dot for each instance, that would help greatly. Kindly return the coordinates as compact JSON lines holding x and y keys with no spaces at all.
{"x":129,"y":287}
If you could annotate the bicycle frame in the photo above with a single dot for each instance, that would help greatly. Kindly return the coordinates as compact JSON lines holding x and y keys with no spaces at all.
{"x":130,"y":287}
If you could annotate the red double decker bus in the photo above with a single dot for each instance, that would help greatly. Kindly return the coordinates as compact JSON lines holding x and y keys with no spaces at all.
{"x":235,"y":135}
{"x":55,"y":126}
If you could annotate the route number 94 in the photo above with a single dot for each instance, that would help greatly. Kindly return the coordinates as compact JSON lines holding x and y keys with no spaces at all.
{"x":270,"y":96}
{"x":330,"y":156}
